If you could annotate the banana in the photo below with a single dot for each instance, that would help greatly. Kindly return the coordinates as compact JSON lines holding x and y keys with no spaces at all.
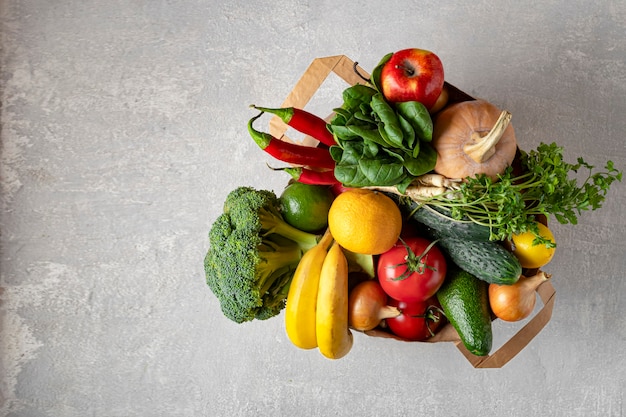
{"x":302,"y":297}
{"x":334,"y":338}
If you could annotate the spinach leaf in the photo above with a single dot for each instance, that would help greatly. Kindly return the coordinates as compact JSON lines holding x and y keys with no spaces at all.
{"x":375,"y":77}
{"x":357,"y":94}
{"x":364,"y":117}
{"x":377,"y":143}
{"x":408,"y":133}
{"x":388,"y":118}
{"x":347,"y":168}
{"x":417,"y":114}
{"x":425,"y":163}
{"x":367,"y":133}
{"x":382,"y":171}
{"x":359,"y":165}
{"x":343,"y":132}
{"x":341,"y":115}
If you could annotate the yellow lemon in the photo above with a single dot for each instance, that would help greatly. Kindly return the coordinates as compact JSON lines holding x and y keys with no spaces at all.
{"x":529,"y":255}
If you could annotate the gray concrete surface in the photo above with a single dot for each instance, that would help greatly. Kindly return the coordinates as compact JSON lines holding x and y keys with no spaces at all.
{"x":123,"y":129}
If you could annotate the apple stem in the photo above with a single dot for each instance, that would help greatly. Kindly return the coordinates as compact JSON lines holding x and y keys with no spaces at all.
{"x":483,"y":147}
{"x":409,"y":71}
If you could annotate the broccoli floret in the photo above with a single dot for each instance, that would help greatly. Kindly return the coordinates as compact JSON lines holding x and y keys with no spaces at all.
{"x":253,"y":254}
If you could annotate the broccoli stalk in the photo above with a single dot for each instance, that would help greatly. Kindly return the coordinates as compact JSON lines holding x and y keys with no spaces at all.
{"x":253,"y":254}
{"x":275,"y":261}
{"x":272,"y":222}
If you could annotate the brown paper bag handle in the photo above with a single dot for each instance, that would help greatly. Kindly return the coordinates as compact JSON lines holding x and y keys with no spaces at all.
{"x":516,"y":343}
{"x":311,"y":80}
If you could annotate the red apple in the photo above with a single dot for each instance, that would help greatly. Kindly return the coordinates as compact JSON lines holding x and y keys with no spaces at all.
{"x":412,"y":75}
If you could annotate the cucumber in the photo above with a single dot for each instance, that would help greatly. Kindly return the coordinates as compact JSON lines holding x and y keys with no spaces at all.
{"x":488,"y":261}
{"x":465,"y":302}
{"x":438,"y":218}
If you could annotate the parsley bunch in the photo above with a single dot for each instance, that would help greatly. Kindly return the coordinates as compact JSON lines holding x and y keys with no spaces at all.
{"x":547,"y":185}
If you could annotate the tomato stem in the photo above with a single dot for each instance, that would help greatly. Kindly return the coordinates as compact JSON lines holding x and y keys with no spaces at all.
{"x":431,"y":315}
{"x":414,"y":262}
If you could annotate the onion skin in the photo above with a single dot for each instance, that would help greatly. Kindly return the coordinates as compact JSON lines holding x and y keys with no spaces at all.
{"x":516,"y":301}
{"x":367,"y":306}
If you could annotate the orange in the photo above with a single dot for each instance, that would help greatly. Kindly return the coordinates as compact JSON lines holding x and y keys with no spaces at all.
{"x":365,"y":221}
{"x":529,"y":255}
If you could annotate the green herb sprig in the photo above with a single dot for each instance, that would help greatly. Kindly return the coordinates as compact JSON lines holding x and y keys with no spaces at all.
{"x":546,"y":185}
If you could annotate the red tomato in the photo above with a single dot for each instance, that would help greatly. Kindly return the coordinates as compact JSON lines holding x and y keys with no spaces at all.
{"x":413,"y":270}
{"x":418,"y":321}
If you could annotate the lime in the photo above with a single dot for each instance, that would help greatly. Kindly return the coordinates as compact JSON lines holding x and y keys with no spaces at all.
{"x":306,"y":206}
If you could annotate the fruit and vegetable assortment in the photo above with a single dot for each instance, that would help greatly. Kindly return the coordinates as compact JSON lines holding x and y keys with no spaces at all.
{"x":413,"y":212}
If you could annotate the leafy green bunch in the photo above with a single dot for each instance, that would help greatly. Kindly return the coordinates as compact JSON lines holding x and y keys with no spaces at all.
{"x":380,"y":144}
{"x":545,"y":184}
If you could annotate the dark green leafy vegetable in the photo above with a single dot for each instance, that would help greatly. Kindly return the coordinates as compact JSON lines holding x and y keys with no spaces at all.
{"x":423,"y":164}
{"x":355,"y":95}
{"x":358,"y":164}
{"x":377,"y":145}
{"x":389,"y":120}
{"x":375,"y":77}
{"x":409,"y":134}
{"x":417,"y":114}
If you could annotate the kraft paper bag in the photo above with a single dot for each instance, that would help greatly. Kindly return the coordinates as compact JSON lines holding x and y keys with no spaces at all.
{"x":349,"y":71}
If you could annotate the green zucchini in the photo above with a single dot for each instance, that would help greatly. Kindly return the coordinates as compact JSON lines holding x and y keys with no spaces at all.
{"x":465,"y":302}
{"x":489,"y":261}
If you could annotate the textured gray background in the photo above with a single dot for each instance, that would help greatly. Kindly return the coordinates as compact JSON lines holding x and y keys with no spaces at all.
{"x":123,"y":129}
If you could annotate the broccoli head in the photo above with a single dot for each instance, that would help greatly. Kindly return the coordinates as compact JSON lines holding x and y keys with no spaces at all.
{"x":253,"y":254}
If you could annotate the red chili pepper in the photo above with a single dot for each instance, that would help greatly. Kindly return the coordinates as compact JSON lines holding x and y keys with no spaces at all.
{"x":310,"y":176}
{"x":303,"y":122}
{"x":290,"y":152}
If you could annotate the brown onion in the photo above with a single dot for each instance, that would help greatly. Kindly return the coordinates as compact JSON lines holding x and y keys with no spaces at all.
{"x":516,"y":301}
{"x":367,"y":306}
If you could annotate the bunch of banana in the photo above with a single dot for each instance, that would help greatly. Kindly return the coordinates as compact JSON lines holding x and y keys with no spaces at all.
{"x":316,"y":314}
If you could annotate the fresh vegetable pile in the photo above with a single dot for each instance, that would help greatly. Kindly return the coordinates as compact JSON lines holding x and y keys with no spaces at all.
{"x":436,"y":217}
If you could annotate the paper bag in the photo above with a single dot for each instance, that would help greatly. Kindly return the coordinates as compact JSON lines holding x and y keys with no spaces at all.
{"x":351,"y":73}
